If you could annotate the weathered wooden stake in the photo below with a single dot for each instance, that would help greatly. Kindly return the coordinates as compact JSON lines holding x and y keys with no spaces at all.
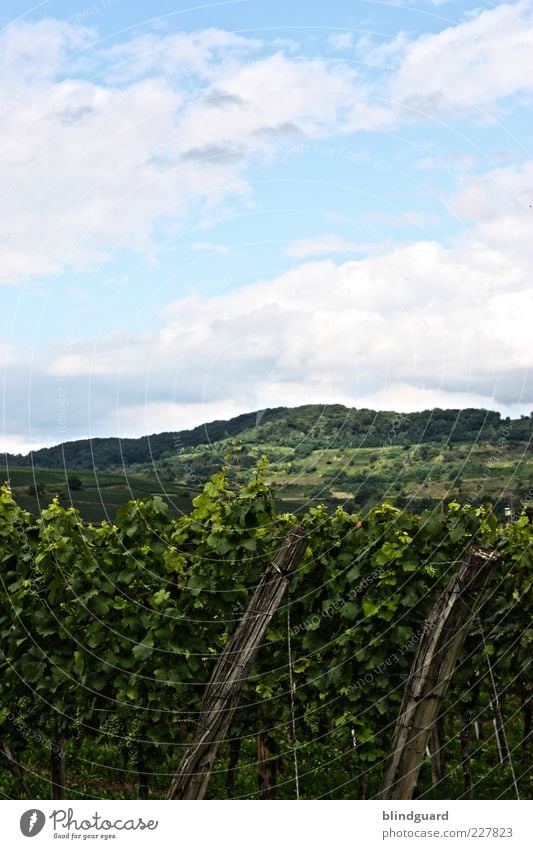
{"x":13,"y":766}
{"x":267,"y":768}
{"x":432,"y":669}
{"x":436,"y":748}
{"x":143,"y":784}
{"x":231,"y":670}
{"x":57,"y":769}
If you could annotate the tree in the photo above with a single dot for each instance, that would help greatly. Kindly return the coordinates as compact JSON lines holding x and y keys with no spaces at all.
{"x":74,"y":483}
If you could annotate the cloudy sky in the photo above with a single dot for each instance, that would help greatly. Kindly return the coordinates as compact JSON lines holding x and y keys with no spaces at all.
{"x":216,"y":210}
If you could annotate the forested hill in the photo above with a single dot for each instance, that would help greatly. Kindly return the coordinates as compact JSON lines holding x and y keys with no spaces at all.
{"x":311,"y":427}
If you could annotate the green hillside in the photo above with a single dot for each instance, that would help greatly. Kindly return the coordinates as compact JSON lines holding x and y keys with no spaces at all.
{"x":328,"y":454}
{"x":100,"y":495}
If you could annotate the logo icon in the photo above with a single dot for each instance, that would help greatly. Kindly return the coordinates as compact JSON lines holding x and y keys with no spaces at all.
{"x":32,"y":822}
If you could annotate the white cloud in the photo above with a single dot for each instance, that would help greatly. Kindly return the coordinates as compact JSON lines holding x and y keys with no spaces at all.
{"x":500,"y":207}
{"x":273,"y":94}
{"x":409,"y":328}
{"x":34,"y":52}
{"x":341,"y":40}
{"x":421,"y":313}
{"x":457,"y":318}
{"x":409,"y":398}
{"x":180,"y":55}
{"x":172,"y":124}
{"x":386,"y":54}
{"x":14,"y":443}
{"x":88,"y":167}
{"x":468,"y":66}
{"x":91,"y":166}
{"x":167,"y":416}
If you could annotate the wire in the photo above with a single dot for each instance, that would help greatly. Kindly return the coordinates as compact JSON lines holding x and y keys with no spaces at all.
{"x":291,"y":692}
{"x":497,"y":705}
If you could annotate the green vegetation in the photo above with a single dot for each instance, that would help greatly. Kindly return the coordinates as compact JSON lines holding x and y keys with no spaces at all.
{"x":100,"y":495}
{"x":109,"y":633}
{"x":331,"y":455}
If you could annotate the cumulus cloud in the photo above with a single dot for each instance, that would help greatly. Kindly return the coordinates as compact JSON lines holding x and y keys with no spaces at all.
{"x":341,"y":40}
{"x":89,"y":167}
{"x":468,"y":66}
{"x":178,"y":56}
{"x":452,"y":324}
{"x":171,"y":123}
{"x":499,"y":193}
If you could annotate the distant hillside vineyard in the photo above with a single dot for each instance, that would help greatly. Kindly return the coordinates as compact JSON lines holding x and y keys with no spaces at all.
{"x":327,"y":455}
{"x":308,"y":427}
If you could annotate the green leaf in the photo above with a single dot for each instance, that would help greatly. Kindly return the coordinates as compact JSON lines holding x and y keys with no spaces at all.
{"x":142,"y":651}
{"x":370,"y":608}
{"x":160,"y":597}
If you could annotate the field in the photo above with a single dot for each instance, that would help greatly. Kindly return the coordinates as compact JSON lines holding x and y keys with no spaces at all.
{"x":101,"y":493}
{"x":414,"y":477}
{"x":332,"y":455}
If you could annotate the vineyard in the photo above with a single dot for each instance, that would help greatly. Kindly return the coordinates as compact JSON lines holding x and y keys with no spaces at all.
{"x":110,"y":634}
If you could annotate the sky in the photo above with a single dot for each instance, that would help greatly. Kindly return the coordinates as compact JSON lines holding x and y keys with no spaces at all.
{"x":214,"y":209}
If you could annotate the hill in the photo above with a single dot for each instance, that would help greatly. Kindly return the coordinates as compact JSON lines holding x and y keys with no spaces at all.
{"x":306,"y":427}
{"x":329,"y":454}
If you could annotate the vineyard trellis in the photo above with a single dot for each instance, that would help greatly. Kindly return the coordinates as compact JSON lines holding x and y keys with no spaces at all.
{"x":110,"y":634}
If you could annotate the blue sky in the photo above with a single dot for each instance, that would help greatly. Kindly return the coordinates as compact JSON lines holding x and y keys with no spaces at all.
{"x":240,"y":205}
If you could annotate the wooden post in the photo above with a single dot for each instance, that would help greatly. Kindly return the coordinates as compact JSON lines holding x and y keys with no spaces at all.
{"x":143,"y":785}
{"x":13,"y":766}
{"x":432,"y":669}
{"x":231,"y":670}
{"x":57,"y":769}
{"x":436,"y":749}
{"x":267,"y":768}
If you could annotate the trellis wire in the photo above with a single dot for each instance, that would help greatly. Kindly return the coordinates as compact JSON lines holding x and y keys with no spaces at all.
{"x":497,"y":701}
{"x":291,"y":692}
